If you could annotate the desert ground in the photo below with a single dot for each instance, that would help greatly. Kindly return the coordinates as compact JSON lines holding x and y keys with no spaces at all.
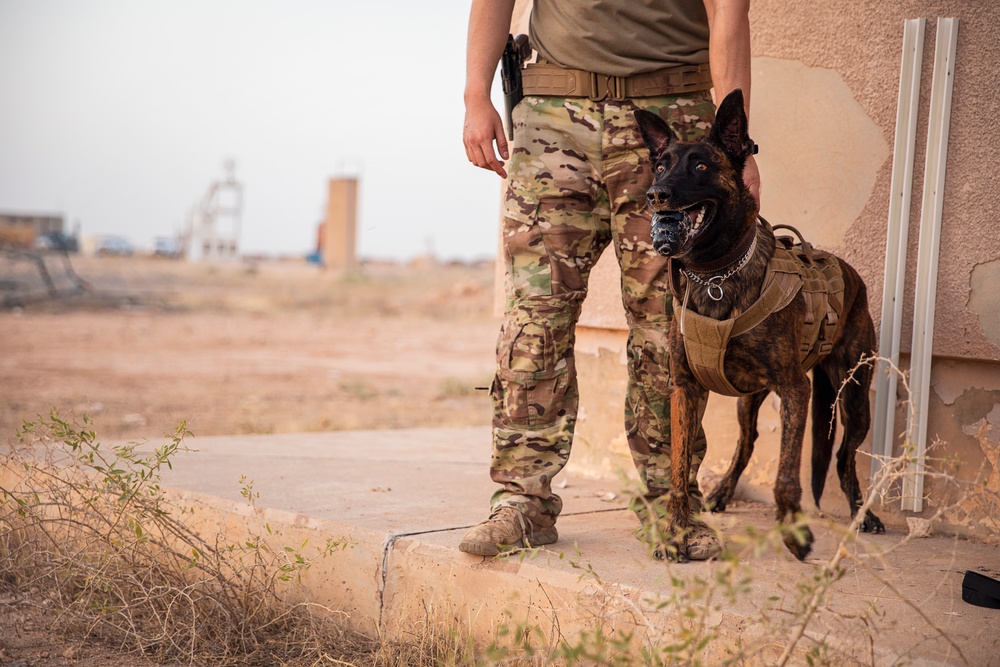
{"x":252,"y":347}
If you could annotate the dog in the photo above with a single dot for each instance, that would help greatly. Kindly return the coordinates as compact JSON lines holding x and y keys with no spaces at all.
{"x":722,"y":262}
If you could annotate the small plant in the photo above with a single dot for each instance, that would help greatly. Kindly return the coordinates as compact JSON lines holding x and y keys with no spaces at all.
{"x":359,"y":389}
{"x":90,"y":525}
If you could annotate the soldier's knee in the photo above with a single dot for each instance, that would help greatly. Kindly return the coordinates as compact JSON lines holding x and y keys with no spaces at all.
{"x":535,"y":381}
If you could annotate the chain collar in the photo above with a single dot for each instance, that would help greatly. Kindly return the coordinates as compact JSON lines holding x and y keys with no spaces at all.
{"x":714,"y":284}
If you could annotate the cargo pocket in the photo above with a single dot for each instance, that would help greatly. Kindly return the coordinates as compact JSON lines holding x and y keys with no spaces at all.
{"x":532,"y":372}
{"x":650,"y":383}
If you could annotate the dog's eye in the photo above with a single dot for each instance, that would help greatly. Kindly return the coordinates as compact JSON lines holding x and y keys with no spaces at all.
{"x":660,"y":169}
{"x":701,"y":166}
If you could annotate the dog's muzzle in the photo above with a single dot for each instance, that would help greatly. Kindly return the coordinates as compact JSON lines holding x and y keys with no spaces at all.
{"x":667,"y":232}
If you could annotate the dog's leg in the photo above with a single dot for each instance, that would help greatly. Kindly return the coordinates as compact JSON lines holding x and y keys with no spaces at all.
{"x":746,"y":412}
{"x":856,"y":416}
{"x":794,"y":394}
{"x":684,"y":401}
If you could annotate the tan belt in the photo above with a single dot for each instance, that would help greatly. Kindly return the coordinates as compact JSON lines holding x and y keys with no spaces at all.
{"x":549,"y":79}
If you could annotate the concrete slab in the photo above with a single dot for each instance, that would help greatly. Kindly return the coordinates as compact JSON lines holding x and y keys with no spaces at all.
{"x":394,"y":481}
{"x":402,"y":500}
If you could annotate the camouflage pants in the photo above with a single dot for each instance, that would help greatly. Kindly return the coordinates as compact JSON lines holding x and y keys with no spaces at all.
{"x":578,"y":179}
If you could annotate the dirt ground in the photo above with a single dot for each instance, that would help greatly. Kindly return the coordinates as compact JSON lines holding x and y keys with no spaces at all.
{"x":254,"y":347}
{"x":266,"y":347}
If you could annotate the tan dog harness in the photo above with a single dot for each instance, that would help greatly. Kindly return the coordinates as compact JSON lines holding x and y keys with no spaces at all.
{"x":794,"y":267}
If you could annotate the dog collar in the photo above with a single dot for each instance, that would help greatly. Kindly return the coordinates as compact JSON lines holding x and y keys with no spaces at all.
{"x":738,"y":256}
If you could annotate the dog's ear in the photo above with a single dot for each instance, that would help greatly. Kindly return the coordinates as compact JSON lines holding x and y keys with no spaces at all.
{"x":729,"y":132}
{"x":656,"y":134}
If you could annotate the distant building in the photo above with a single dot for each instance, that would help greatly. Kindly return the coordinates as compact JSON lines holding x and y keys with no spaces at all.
{"x":338,"y":233}
{"x":21,"y":229}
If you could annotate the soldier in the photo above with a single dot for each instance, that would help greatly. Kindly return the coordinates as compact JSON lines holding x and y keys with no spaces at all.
{"x":578,"y":175}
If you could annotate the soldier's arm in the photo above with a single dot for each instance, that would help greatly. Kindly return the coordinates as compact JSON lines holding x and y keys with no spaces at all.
{"x":489,"y":25}
{"x":729,"y":55}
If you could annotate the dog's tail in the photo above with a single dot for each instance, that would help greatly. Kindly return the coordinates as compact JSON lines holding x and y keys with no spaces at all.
{"x":824,"y":429}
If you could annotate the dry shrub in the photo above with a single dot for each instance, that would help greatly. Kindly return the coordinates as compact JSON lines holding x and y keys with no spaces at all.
{"x":90,"y":526}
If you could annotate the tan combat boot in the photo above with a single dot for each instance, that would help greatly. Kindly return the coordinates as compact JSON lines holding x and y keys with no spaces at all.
{"x":505,"y":530}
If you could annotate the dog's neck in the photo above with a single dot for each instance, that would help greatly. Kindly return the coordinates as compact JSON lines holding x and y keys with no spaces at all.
{"x":744,"y":275}
{"x":730,"y":259}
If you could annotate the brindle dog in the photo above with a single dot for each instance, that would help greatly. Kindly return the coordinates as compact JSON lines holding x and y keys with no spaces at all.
{"x":705,"y":219}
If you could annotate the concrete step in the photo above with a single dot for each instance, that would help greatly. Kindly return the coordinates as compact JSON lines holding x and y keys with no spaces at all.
{"x":400,"y":501}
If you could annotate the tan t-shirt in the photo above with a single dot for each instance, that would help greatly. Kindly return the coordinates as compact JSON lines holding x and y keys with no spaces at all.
{"x":620,"y":37}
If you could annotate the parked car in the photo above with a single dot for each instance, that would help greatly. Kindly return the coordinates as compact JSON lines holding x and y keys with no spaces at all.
{"x":57,"y":241}
{"x":113,"y":245}
{"x":167,"y":246}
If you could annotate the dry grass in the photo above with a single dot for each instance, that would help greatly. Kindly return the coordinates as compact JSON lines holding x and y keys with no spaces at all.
{"x":90,"y":526}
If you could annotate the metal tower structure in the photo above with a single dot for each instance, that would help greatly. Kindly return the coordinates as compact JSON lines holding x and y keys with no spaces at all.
{"x":214,"y":224}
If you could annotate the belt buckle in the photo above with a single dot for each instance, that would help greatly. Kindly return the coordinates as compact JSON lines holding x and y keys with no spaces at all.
{"x":605,"y":85}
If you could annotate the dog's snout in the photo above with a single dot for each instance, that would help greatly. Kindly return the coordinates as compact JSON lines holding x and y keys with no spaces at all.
{"x":657,"y":196}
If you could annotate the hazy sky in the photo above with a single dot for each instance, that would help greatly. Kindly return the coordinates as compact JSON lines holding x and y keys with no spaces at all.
{"x":119,"y":114}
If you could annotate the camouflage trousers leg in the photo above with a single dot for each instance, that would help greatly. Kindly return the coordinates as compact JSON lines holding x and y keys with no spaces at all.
{"x":578,"y":178}
{"x":535,"y":402}
{"x":647,"y":423}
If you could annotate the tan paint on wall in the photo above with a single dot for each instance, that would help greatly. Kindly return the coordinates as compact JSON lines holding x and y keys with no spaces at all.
{"x":863,"y":43}
{"x":954,"y":377}
{"x":820,"y":152}
{"x":600,"y":448}
{"x":963,"y":457}
{"x":989,"y":429}
{"x":984,"y":298}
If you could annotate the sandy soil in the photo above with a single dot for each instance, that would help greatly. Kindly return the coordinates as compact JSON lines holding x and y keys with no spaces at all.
{"x":263,"y":347}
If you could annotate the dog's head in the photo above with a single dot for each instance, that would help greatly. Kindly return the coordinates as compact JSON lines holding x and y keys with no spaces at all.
{"x":698,"y":186}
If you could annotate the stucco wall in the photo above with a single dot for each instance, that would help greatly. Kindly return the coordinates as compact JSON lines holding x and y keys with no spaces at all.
{"x":862,"y":44}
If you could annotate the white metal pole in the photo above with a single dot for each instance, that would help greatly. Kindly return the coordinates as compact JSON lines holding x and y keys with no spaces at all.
{"x":927,"y":256}
{"x":883,"y":425}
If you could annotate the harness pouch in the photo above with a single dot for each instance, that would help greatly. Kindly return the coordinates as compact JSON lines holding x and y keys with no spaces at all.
{"x":823,"y":290}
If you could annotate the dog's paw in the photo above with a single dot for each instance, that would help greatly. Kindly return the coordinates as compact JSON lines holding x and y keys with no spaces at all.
{"x":672,"y":552}
{"x":673,"y":544}
{"x":717,"y":501}
{"x":872,"y":524}
{"x":798,"y":539}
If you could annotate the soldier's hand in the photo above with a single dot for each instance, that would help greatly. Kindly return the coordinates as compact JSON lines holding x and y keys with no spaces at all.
{"x":751,"y":177}
{"x":483,"y":127}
